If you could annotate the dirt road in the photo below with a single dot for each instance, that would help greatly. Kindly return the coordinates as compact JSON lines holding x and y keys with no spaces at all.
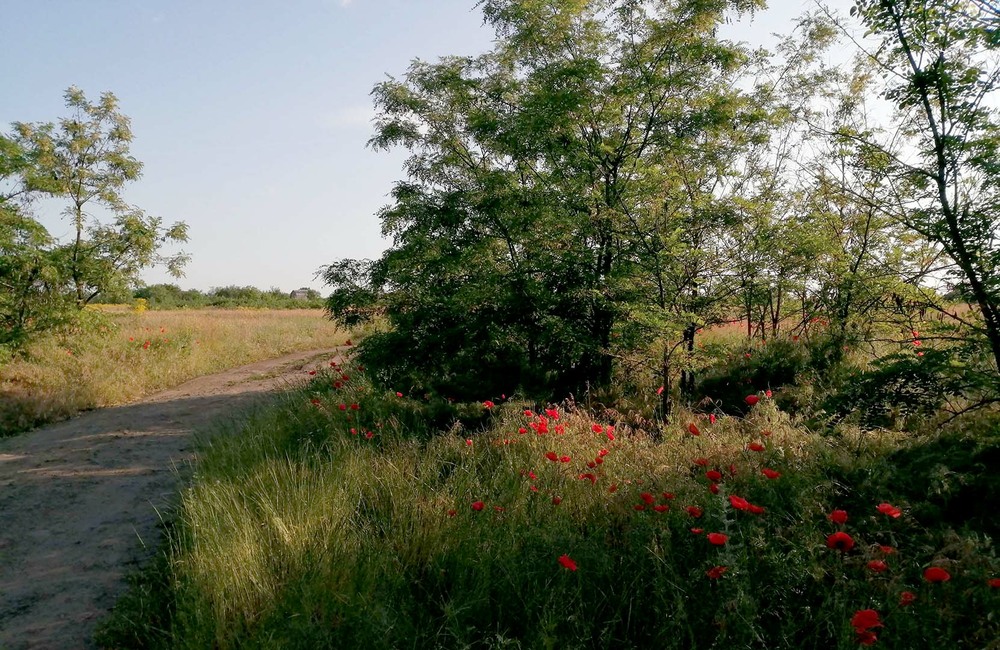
{"x":79,"y":500}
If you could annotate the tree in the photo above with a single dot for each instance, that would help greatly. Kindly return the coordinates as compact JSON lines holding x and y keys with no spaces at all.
{"x":551,"y":185}
{"x":86,"y":161}
{"x":940,"y":176}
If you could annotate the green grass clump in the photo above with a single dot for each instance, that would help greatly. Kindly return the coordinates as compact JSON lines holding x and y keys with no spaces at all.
{"x":316,"y":524}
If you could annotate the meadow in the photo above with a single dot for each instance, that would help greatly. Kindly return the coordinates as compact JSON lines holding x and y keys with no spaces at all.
{"x":350,"y":516}
{"x":113,"y":356}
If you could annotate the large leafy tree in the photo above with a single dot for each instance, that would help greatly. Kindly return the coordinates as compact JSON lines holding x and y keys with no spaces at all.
{"x":555,"y":206}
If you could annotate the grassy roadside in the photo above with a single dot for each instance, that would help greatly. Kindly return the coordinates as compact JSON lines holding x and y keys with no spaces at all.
{"x":116,"y":357}
{"x":344,"y":517}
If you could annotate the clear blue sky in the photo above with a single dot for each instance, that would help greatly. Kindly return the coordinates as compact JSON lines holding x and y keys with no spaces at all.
{"x":251,"y":117}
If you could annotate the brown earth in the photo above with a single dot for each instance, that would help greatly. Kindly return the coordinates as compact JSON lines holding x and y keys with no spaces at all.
{"x":80,"y":500}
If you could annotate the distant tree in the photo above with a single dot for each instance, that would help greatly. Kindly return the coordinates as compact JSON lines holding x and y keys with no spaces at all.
{"x":85,"y":160}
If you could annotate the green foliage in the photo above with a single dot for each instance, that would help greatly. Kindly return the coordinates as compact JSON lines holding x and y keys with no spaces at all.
{"x":559,"y":186}
{"x":171,"y":296}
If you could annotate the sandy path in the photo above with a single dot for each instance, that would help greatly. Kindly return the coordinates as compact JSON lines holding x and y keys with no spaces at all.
{"x":79,"y":499}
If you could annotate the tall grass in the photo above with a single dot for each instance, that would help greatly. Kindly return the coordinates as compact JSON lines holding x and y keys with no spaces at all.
{"x":112,"y":358}
{"x":319,"y":525}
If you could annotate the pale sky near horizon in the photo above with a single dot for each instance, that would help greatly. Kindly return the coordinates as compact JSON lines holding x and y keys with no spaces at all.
{"x":251,"y":117}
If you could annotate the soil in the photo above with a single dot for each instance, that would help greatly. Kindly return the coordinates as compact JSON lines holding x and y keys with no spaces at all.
{"x":80,"y":500}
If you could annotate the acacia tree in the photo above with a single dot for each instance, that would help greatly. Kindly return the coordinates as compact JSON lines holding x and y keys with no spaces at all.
{"x":940,"y":174}
{"x":545,"y":190}
{"x":86,"y":161}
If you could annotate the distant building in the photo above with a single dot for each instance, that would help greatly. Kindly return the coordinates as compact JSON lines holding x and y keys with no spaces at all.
{"x":300,"y":294}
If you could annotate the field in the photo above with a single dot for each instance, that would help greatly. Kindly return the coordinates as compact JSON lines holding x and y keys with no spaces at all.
{"x":115,"y":357}
{"x":351,"y":517}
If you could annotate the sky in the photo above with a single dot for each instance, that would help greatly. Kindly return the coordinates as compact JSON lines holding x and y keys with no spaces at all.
{"x":251,"y":117}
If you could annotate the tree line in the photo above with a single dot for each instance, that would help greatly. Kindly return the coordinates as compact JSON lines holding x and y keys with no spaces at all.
{"x":613,"y":177}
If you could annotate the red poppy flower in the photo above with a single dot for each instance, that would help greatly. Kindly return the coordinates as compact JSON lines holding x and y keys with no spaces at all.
{"x":694,"y":511}
{"x":716,"y":572}
{"x":556,"y":500}
{"x":888,"y":550}
{"x":668,"y":495}
{"x":838,"y":516}
{"x":522,"y":430}
{"x":552,"y":413}
{"x":610,"y":433}
{"x":732,"y":469}
{"x":865,"y":619}
{"x":591,"y":464}
{"x":452,"y":512}
{"x":702,"y":462}
{"x":694,"y":431}
{"x":713,"y":475}
{"x":342,"y":407}
{"x":499,"y":508}
{"x":564,"y":459}
{"x":478,"y":505}
{"x":534,"y":488}
{"x":312,"y":372}
{"x":553,"y":456}
{"x":889,"y":510}
{"x":994,"y":583}
{"x":488,"y":404}
{"x":768,"y":394}
{"x":756,"y":510}
{"x":528,"y":414}
{"x":739,"y":502}
{"x":369,"y":435}
{"x":713,"y":488}
{"x":468,"y":442}
{"x":647,"y":497}
{"x":560,"y":429}
{"x":916,"y":342}
{"x":659,"y":391}
{"x":755,"y":446}
{"x":770,"y":473}
{"x":613,"y":488}
{"x":354,"y":431}
{"x":596,"y":428}
{"x":348,"y":342}
{"x":661,"y":508}
{"x":639,"y":507}
{"x":711,"y":418}
{"x":840,"y":541}
{"x":697,"y":531}
{"x":877,"y":566}
{"x":598,"y":461}
{"x":936,"y":574}
{"x":590,"y":477}
{"x":717,"y":539}
{"x":567,"y":562}
{"x":751,"y":399}
{"x":603,"y":452}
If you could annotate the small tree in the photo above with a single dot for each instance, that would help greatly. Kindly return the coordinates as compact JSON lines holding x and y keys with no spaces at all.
{"x":86,"y":161}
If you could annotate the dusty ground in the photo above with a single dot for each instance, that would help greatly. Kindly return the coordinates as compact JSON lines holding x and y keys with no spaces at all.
{"x":79,"y":500}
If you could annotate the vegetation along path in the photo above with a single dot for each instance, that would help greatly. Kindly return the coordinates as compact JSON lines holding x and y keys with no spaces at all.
{"x":79,"y":500}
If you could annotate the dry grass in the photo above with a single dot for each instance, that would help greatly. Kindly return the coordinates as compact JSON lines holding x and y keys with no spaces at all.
{"x":118,"y":357}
